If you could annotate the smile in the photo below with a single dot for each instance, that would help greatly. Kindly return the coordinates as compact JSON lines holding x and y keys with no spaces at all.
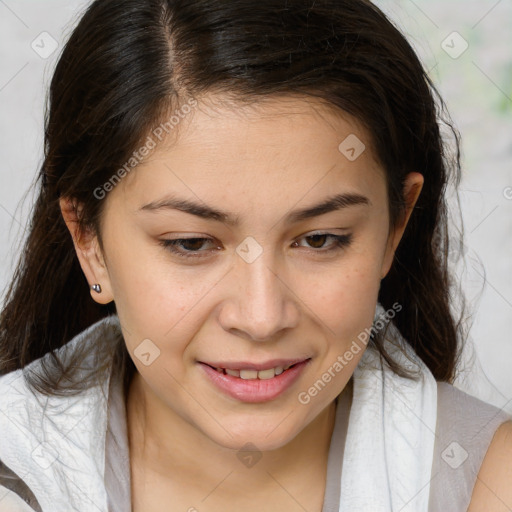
{"x":254,"y":385}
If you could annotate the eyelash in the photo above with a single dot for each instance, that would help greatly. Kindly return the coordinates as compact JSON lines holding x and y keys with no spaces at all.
{"x":340,"y":242}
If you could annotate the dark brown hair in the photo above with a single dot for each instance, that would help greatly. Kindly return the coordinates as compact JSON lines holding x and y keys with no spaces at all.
{"x":128,"y":63}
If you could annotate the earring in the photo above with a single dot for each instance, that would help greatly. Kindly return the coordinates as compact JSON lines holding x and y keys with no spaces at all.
{"x":96,"y":288}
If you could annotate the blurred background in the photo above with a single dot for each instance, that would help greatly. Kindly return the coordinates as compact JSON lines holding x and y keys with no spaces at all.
{"x":466,"y":46}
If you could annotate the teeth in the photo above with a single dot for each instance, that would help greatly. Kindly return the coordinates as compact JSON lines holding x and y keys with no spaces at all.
{"x":249,"y":374}
{"x":266,"y":374}
{"x":254,"y":374}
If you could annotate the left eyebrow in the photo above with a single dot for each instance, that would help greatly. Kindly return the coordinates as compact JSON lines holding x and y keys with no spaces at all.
{"x":333,"y":203}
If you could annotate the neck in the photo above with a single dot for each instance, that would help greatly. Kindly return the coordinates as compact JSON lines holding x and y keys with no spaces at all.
{"x":162,"y":445}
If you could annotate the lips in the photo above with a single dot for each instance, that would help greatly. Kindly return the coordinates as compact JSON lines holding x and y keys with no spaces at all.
{"x":244,"y":365}
{"x":250,"y":389}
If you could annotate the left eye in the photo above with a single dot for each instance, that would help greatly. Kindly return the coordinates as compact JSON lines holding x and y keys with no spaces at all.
{"x":316,"y":241}
{"x":319,"y":240}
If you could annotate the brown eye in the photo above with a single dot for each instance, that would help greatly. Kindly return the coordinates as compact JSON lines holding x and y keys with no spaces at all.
{"x":318,"y":241}
{"x":192,"y":246}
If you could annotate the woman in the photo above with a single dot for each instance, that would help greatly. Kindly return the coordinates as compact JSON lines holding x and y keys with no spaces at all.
{"x":252,"y":193}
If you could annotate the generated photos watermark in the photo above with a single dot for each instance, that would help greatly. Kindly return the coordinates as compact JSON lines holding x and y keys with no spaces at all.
{"x":304,"y":397}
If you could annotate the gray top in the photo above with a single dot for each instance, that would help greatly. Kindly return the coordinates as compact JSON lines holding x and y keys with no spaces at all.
{"x":464,"y":430}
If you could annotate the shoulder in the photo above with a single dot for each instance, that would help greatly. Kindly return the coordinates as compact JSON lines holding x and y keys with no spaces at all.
{"x":466,"y":427}
{"x":492,"y":491}
{"x":467,"y":417}
{"x":459,"y":411}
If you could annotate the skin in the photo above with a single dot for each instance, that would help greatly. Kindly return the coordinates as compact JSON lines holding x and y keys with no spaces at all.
{"x":258,"y":163}
{"x":492,"y":491}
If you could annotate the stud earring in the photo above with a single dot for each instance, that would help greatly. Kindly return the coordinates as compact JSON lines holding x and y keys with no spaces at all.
{"x":96,"y":288}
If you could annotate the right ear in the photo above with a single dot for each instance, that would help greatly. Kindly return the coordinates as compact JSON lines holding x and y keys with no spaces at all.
{"x":88,"y":251}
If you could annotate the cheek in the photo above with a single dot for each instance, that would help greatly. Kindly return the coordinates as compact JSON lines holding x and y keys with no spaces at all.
{"x":153,"y":298}
{"x":161,"y":306}
{"x":347,"y":302}
{"x":343,"y":300}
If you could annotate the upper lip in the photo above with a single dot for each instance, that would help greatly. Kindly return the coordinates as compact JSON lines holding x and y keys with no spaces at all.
{"x":244,"y":365}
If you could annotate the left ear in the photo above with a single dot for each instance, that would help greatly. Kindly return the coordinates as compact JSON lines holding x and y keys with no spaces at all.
{"x":412,"y":187}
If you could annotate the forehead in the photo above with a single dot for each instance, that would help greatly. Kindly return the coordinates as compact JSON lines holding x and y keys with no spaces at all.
{"x":289,"y":146}
{"x":288,"y":123}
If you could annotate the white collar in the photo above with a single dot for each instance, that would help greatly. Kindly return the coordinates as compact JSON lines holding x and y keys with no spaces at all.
{"x":391,"y":433}
{"x":57,"y":444}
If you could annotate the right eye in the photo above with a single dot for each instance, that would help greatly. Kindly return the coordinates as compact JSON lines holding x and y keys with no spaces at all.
{"x":191,"y":245}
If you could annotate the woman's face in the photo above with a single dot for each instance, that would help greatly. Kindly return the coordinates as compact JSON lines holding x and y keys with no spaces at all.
{"x":265,"y":281}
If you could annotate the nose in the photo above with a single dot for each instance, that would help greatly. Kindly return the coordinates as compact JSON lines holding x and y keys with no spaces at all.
{"x":262,"y":304}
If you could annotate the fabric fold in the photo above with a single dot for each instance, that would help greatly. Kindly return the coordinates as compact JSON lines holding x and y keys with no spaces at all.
{"x":391,"y":432}
{"x":57,"y":444}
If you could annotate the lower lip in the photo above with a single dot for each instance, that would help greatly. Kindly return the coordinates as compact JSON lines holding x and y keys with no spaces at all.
{"x":255,"y":390}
